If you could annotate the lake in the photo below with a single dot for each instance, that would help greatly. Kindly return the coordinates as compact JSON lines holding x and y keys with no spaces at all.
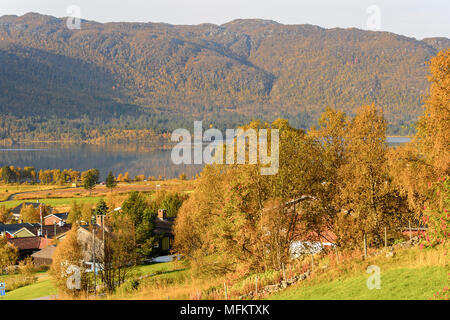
{"x":135,"y":159}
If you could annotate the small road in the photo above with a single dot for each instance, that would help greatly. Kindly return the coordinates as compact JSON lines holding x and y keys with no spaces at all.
{"x":12,"y":196}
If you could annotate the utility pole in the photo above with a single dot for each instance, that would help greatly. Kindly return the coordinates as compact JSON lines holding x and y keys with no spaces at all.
{"x":103,"y":227}
{"x":93,"y":256}
{"x":40,"y":214}
{"x":365,"y":246}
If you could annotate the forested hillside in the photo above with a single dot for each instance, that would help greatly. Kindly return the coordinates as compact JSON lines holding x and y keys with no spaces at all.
{"x":161,"y":76}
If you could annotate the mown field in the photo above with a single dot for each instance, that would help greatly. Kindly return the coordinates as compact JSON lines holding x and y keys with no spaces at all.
{"x":42,"y":288}
{"x":63,"y":196}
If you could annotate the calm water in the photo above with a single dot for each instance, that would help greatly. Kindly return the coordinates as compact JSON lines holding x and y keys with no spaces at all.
{"x":117,"y":158}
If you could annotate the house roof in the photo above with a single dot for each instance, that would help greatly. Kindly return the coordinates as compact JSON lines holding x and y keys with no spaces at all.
{"x":49,"y":230}
{"x":30,"y":234}
{"x":61,"y":216}
{"x":46,"y":253}
{"x":14,"y":227}
{"x":26,"y":243}
{"x":163,"y":226}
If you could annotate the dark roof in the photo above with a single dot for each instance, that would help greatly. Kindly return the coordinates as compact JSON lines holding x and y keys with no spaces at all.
{"x":13,"y":227}
{"x":62,"y":216}
{"x":17,"y":209}
{"x":163,"y":226}
{"x":26,"y":243}
{"x":49,"y":230}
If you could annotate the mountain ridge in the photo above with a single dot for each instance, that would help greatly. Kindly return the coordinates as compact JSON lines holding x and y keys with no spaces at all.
{"x":242,"y":69}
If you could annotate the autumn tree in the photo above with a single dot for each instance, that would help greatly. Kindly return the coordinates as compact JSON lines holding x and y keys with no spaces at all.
{"x":119,"y":250}
{"x":75,"y":213}
{"x":330,"y":132}
{"x":228,"y":214}
{"x":436,"y":213}
{"x":7,"y":174}
{"x":8,"y":254}
{"x":90,"y":179}
{"x":5,"y":214}
{"x":68,"y":269}
{"x":30,"y":214}
{"x":433,"y":131}
{"x":111,"y":182}
{"x":139,"y":177}
{"x":74,"y":176}
{"x":414,"y":166}
{"x":86,"y":213}
{"x":365,"y":189}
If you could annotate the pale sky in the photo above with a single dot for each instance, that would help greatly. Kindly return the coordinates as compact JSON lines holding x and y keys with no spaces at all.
{"x":414,"y":18}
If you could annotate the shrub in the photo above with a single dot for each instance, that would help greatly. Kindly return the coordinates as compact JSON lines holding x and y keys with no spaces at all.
{"x":42,"y":268}
{"x":129,"y":286}
{"x":437,"y":213}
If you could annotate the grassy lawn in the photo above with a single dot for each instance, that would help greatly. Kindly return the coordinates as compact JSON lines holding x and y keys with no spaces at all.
{"x":167,"y":279}
{"x":166,"y":271}
{"x":39,"y":289}
{"x":404,"y":283}
{"x":155,"y":267}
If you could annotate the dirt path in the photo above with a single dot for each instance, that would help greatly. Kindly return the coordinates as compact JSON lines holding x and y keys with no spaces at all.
{"x":12,"y":196}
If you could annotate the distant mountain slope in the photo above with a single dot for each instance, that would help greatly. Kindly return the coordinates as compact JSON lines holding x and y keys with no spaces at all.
{"x":242,"y":69}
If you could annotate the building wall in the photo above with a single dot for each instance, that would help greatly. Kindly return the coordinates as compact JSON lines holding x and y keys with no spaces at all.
{"x":42,"y":261}
{"x":165,"y":244}
{"x":45,"y":242}
{"x":23,"y":233}
{"x":51,"y":220}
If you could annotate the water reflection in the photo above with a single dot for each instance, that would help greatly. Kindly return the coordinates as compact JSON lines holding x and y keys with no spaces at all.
{"x":116,"y":158}
{"x":136,"y":159}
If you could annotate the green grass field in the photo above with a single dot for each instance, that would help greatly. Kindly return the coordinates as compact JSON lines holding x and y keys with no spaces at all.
{"x":155,"y":267}
{"x":36,"y":290}
{"x":397,"y":284}
{"x":44,"y":287}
